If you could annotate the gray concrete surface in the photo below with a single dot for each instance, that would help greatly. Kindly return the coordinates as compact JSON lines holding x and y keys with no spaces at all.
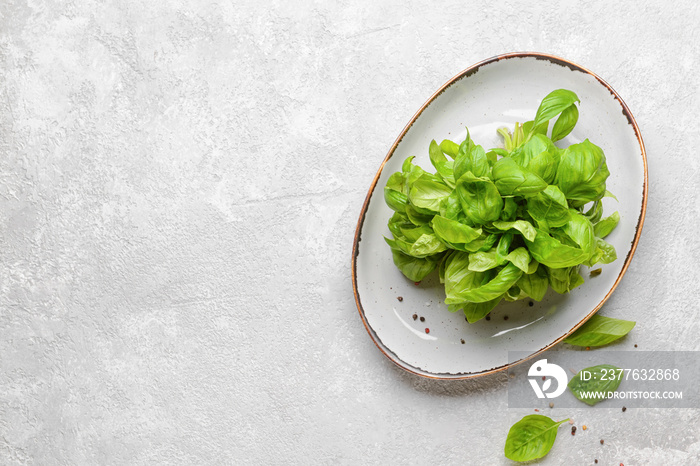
{"x":179,"y":187}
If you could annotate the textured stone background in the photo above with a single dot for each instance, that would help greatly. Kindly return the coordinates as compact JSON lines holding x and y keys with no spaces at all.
{"x":179,"y":187}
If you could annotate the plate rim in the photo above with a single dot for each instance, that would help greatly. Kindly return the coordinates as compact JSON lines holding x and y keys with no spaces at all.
{"x":357,"y":237}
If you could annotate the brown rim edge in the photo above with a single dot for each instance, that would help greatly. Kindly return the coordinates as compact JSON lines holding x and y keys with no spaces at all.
{"x":355,"y":249}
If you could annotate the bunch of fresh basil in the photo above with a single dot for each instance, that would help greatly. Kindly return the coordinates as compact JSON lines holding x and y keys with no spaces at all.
{"x":507,"y":223}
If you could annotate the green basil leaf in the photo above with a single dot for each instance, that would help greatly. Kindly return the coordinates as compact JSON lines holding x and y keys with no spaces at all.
{"x":595,"y":213}
{"x":397,"y":182}
{"x":530,"y":128}
{"x":474,"y":312}
{"x":511,"y":179}
{"x":551,"y":252}
{"x":564,"y":280}
{"x":415,"y":269}
{"x":482,"y":261}
{"x":536,"y":145}
{"x":472,"y":159}
{"x":531,"y":438}
{"x":416,"y":217}
{"x":609,"y":194}
{"x":458,"y":277}
{"x":436,"y":155}
{"x":480,"y":200}
{"x":426,"y":194}
{"x":565,"y":123}
{"x":553,"y":104}
{"x":482,"y":243}
{"x":461,"y":160}
{"x":520,"y":258}
{"x":549,"y":207}
{"x":427,"y":245}
{"x":604,"y":253}
{"x":396,"y":200}
{"x":600,"y":331}
{"x":544,"y":165}
{"x":454,"y":232}
{"x":509,"y":209}
{"x":505,"y":278}
{"x":412,"y":233}
{"x":449,"y":148}
{"x":594,"y":384}
{"x":580,"y":230}
{"x":524,"y":227}
{"x":604,"y":227}
{"x":536,"y":284}
{"x":582,"y":172}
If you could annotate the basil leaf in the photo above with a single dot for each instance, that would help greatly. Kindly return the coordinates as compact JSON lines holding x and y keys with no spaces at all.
{"x":472,"y":159}
{"x":604,"y":227}
{"x":426,"y":194}
{"x":551,"y":252}
{"x":449,"y":148}
{"x":545,"y":166}
{"x":580,"y":230}
{"x":505,"y":278}
{"x":436,"y":155}
{"x":535,"y":285}
{"x":599,"y":331}
{"x":413,"y":268}
{"x":458,"y":277}
{"x":480,"y":200}
{"x":564,"y":280}
{"x":582,"y":172}
{"x":396,"y":200}
{"x":524,"y":227}
{"x":565,"y":123}
{"x":511,"y":179}
{"x":474,"y":312}
{"x":549,"y":207}
{"x":604,"y":253}
{"x":482,"y":261}
{"x":519,"y":258}
{"x":553,"y":104}
{"x":396,"y":182}
{"x":531,"y":437}
{"x":536,"y":145}
{"x":594,"y":384}
{"x":454,"y":232}
{"x":416,"y":217}
{"x":509,"y":209}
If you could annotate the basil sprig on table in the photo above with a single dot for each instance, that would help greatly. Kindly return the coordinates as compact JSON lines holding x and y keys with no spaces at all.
{"x":531,"y":437}
{"x":507,"y":223}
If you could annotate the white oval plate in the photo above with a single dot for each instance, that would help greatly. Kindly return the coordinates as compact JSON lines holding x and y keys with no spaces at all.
{"x":494,"y":93}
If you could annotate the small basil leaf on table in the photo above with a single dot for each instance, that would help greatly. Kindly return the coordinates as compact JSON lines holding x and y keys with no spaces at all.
{"x":594,"y":384}
{"x":531,"y":438}
{"x":599,"y":331}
